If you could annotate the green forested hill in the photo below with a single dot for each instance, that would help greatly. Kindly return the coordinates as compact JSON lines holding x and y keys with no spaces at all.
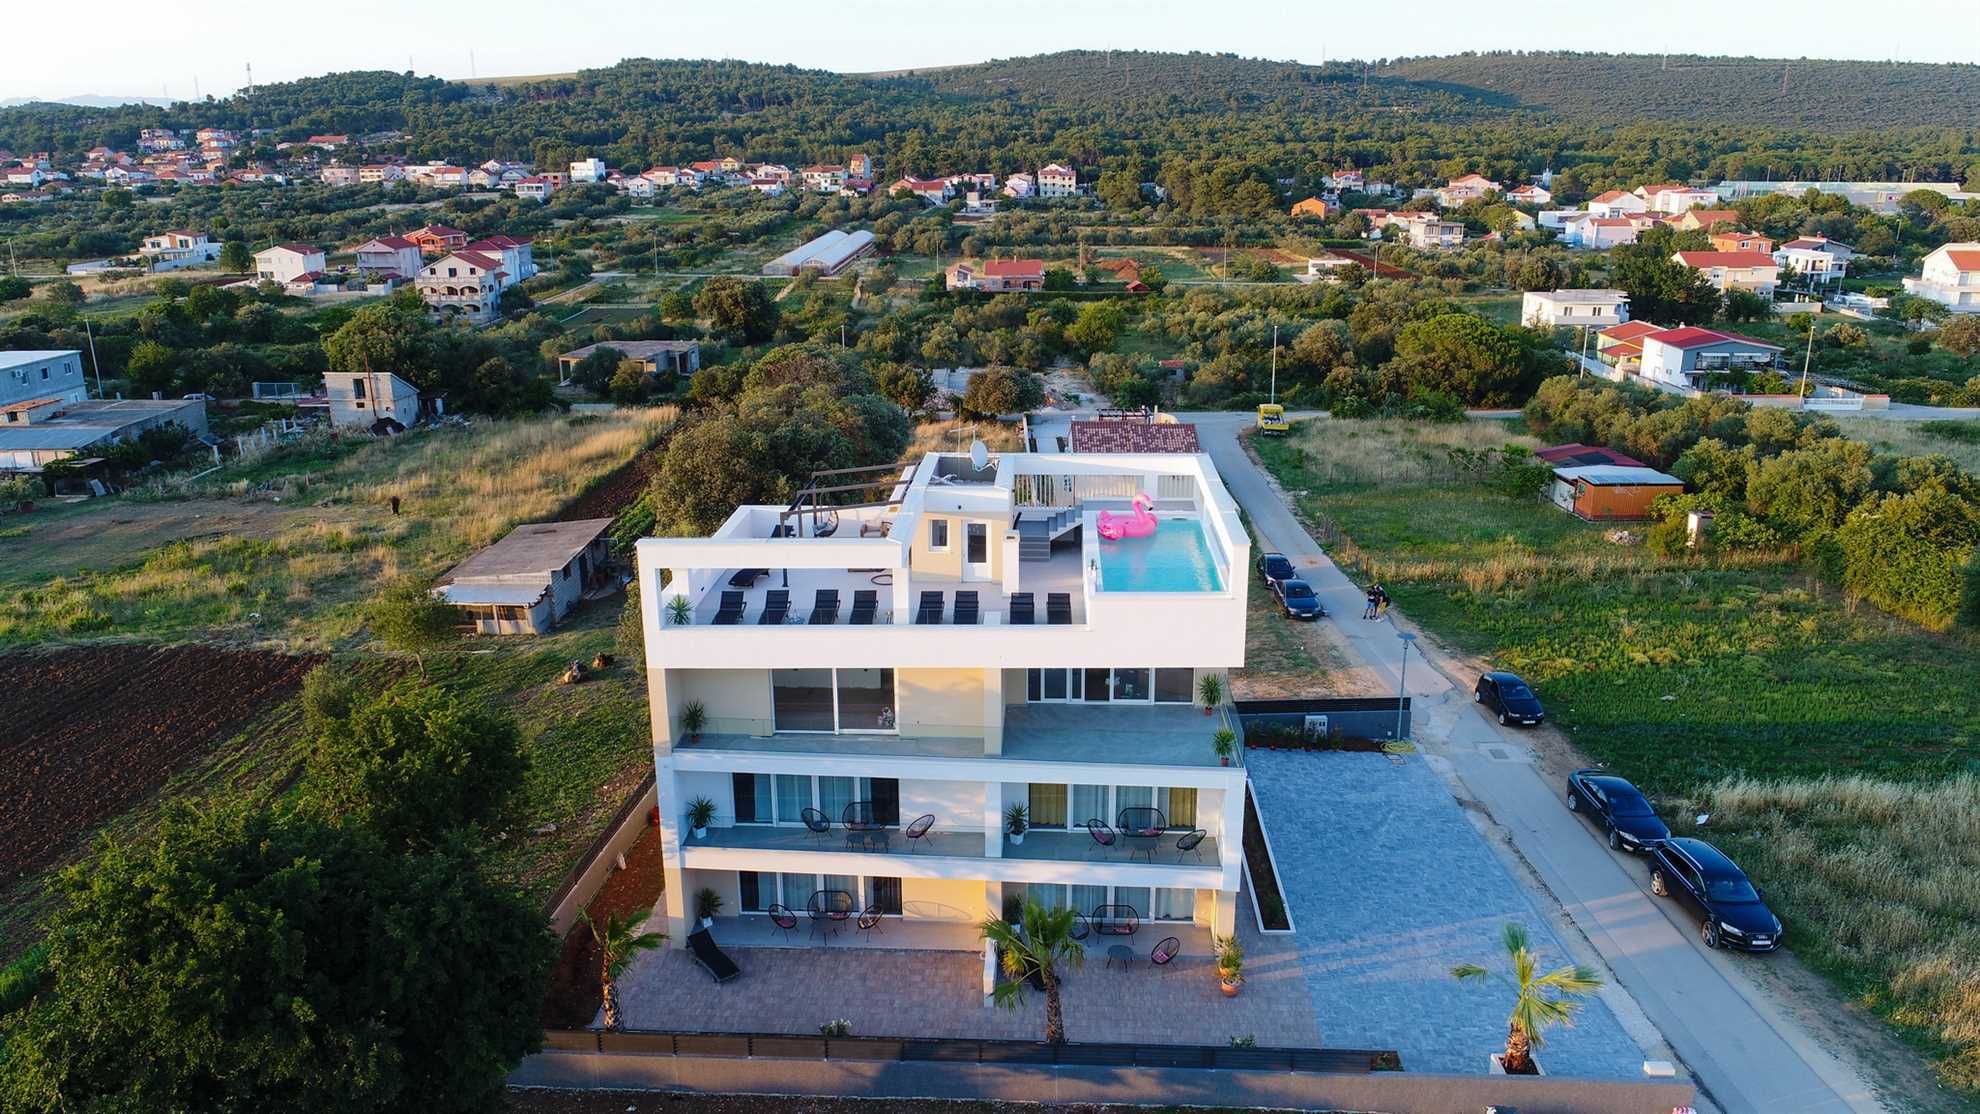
{"x":1609,"y":119}
{"x":1826,"y":95}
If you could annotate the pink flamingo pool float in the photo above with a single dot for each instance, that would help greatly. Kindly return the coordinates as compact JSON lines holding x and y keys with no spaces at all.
{"x":1140,"y":524}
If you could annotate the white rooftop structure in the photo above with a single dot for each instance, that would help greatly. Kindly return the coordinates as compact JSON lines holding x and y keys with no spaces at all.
{"x":826,"y":254}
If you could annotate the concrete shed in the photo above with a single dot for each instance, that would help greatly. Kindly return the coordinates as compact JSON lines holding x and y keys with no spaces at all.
{"x":530,"y":579}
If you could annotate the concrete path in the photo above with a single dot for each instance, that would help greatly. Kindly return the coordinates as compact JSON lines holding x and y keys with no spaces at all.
{"x":1745,"y":1054}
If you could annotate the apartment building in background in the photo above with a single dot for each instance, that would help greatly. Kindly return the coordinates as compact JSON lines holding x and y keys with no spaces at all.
{"x":877,"y":685}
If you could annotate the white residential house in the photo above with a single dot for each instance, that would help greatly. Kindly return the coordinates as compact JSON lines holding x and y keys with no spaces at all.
{"x":1691,"y":357}
{"x":1530,"y":194}
{"x":864,"y":753}
{"x":1596,"y":233}
{"x":825,"y":178}
{"x":535,"y":188}
{"x":285,"y":263}
{"x":1057,"y":181}
{"x":1574,"y":308}
{"x":381,"y":172}
{"x":1428,"y":233}
{"x":1616,"y":203}
{"x":464,"y":285}
{"x":1675,"y":198}
{"x":362,"y":399}
{"x":1950,"y":276}
{"x":517,"y":256}
{"x":389,"y":256}
{"x":588,"y":170}
{"x":179,"y":248}
{"x":54,"y":375}
{"x":769,"y":187}
{"x":1818,"y":260}
{"x":340,"y":175}
{"x":662,"y":175}
{"x":1753,"y":271}
{"x":1020,"y":186}
{"x":1470,"y":187}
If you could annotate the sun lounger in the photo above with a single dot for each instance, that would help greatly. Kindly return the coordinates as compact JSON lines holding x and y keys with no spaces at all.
{"x":732,"y":609}
{"x":1058,"y":608}
{"x":825,"y":607}
{"x":747,"y":578}
{"x":1023,"y":611}
{"x":930,"y":610}
{"x":776,"y":607}
{"x":711,"y":956}
{"x":865,"y":603}
{"x":966,"y":609}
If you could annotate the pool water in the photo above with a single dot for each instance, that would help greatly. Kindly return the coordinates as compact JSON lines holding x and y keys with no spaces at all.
{"x":1175,"y":558}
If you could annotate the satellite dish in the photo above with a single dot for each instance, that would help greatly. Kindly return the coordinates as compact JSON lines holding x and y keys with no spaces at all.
{"x":979,"y":455}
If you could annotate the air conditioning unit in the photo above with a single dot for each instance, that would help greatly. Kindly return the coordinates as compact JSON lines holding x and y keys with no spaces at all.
{"x":1315,"y":727}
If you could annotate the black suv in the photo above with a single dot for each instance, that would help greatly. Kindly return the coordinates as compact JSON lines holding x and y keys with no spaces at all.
{"x":1507,"y":695}
{"x":1275,"y":569}
{"x":1730,"y":910}
{"x":1618,"y":806}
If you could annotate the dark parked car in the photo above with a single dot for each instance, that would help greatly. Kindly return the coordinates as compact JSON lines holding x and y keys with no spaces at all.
{"x":1274,"y":569}
{"x":1618,"y":806}
{"x":1297,"y":597}
{"x":1730,"y":910}
{"x":1507,"y":695}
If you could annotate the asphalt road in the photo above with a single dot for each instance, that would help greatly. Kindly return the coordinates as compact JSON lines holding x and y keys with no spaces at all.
{"x":1744,"y":1054}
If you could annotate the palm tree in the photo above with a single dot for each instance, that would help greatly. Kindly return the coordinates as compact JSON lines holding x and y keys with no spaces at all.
{"x":1540,"y":1001}
{"x":1036,"y":946}
{"x":620,"y":941}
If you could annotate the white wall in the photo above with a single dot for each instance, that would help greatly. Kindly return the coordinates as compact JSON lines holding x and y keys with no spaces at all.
{"x":956,"y":805}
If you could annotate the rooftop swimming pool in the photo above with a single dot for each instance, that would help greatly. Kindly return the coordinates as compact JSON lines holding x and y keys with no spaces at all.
{"x":1175,"y":558}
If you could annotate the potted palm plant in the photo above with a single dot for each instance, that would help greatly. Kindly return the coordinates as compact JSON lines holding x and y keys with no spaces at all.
{"x":679,"y":611}
{"x":700,"y":811}
{"x":707,"y":903}
{"x":1538,"y":1000}
{"x":1224,"y":742}
{"x":1210,"y":690}
{"x":1015,"y":822}
{"x":694,"y":717}
{"x":1230,"y":963}
{"x":618,"y":942}
{"x":1035,"y":951}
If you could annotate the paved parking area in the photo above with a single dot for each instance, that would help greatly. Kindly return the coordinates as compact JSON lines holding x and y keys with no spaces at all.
{"x":1390,"y":887}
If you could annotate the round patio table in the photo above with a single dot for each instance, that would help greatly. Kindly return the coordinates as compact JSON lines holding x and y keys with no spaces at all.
{"x":1120,"y":952}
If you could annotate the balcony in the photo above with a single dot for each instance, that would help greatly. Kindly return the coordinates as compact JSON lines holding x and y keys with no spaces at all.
{"x":1045,"y":856}
{"x":1125,"y":734}
{"x":1040,"y":578}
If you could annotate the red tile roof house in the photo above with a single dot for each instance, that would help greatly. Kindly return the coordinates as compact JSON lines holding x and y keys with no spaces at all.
{"x":436,"y":238}
{"x":998,"y":275}
{"x":1577,"y":453}
{"x":1755,"y":271}
{"x":1691,"y":357}
{"x":1133,"y":437}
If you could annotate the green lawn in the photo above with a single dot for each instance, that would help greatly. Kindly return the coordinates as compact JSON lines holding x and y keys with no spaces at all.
{"x":1680,"y":672}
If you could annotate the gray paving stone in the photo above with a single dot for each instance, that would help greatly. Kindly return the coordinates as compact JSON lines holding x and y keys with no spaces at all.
{"x":1390,"y":887}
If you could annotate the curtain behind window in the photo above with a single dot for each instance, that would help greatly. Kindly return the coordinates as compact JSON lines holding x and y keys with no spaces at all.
{"x":1089,"y":802}
{"x":1048,"y":806}
{"x":1181,"y":808}
{"x":793,"y":797}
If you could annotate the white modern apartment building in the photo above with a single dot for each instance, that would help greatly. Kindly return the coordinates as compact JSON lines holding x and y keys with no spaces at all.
{"x":863,"y":740}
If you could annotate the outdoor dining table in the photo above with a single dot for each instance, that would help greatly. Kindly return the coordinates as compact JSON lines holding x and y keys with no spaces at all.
{"x":835,"y":906}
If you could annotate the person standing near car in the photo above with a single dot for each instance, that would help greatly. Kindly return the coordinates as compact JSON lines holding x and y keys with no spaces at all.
{"x":1381,"y":602}
{"x":1368,"y":605}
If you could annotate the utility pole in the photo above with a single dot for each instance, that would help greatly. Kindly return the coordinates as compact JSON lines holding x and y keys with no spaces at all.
{"x":1275,"y":364}
{"x":1402,"y":679}
{"x":1806,"y":359}
{"x":94,"y":366}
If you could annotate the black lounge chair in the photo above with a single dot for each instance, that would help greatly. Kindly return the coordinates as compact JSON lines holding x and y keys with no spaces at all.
{"x":1058,"y":608}
{"x":731,"y":612}
{"x":784,"y":919}
{"x":966,"y":609}
{"x":865,"y":603}
{"x":1081,"y":929}
{"x":747,"y":578}
{"x":918,"y":831}
{"x":930,"y":610}
{"x":776,"y":607}
{"x":819,"y":823}
{"x":1024,"y":611}
{"x":1165,"y":952}
{"x":711,"y":957}
{"x":1191,"y":844}
{"x":825,"y":607}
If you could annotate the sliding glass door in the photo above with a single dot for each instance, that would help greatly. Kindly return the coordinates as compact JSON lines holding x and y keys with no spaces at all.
{"x":833,"y":700}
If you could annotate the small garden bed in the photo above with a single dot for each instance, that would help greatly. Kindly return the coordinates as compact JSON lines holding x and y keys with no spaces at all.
{"x":1263,"y":874}
{"x":1269,"y":736}
{"x":573,"y":998}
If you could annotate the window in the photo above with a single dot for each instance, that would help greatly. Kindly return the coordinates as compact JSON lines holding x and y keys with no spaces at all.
{"x":801,"y":699}
{"x":357,"y":388}
{"x":1048,"y":806}
{"x":1097,"y":688}
{"x":834,"y":794}
{"x":1181,"y":810}
{"x":1131,"y":684}
{"x":1172,"y":905}
{"x":938,"y":535}
{"x":1173,"y":686}
{"x":866,"y":699}
{"x":976,"y":538}
{"x":1089,"y":802}
{"x":752,"y":798}
{"x":756,"y":891}
{"x":1132,"y":796}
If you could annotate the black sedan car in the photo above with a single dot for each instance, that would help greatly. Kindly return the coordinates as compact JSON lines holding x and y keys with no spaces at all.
{"x":1507,"y":695}
{"x":1274,"y":569}
{"x":1616,"y":805}
{"x":1297,"y":597}
{"x":1731,"y":914}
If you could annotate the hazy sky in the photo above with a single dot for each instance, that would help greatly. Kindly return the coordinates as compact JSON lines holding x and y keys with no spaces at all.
{"x":140,"y":47}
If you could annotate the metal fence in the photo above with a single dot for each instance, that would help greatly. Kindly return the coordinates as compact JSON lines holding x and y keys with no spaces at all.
{"x":786,"y":1046}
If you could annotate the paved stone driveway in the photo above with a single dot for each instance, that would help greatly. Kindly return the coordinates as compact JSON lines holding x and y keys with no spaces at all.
{"x":887,"y":993}
{"x":1390,"y":887}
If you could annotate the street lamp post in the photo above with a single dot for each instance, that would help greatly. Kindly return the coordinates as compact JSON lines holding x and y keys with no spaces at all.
{"x":1402,"y":679}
